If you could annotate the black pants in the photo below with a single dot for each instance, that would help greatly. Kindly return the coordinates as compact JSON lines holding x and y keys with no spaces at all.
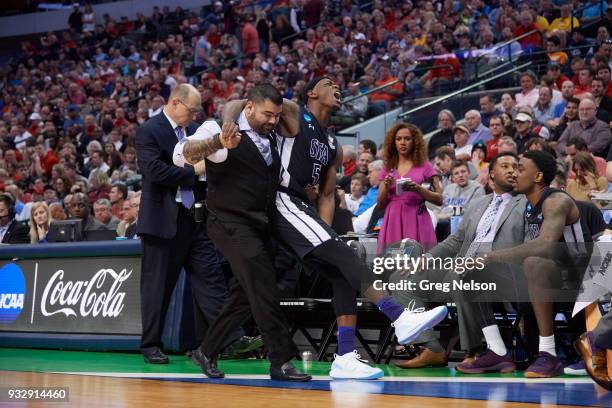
{"x":162,"y":260}
{"x":348,"y":275}
{"x":249,"y":251}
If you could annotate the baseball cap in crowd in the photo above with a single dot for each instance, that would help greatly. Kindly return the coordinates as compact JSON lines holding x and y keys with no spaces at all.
{"x":35,"y":116}
{"x":554,"y":65}
{"x":463,"y":128}
{"x":523,"y":117}
{"x":72,"y":107}
{"x":479,"y":145}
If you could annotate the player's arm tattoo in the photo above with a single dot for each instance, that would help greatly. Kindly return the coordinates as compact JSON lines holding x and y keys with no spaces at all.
{"x":554,"y":210}
{"x":208,"y":146}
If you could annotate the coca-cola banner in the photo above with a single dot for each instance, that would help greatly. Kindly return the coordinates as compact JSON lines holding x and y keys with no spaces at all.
{"x":71,"y":295}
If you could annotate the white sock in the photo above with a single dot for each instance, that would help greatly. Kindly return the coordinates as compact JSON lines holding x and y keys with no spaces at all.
{"x":494,"y":340}
{"x":548,"y":344}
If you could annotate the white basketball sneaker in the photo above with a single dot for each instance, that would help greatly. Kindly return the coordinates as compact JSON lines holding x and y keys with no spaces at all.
{"x":412,"y":322}
{"x":351,"y":367}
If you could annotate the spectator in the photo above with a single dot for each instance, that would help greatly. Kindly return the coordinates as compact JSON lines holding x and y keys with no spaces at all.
{"x":594,"y":132}
{"x":79,"y":209}
{"x":524,"y":125}
{"x":497,"y":132}
{"x":488,"y":109}
{"x":463,"y":149}
{"x":570,"y":114}
{"x":11,"y":231}
{"x":477,"y":131}
{"x":380,"y":101}
{"x":374,"y":170}
{"x":544,"y":109}
{"x":445,"y":156}
{"x":587,"y":180}
{"x":554,"y":71}
{"x":532,"y":41}
{"x":367,"y":146}
{"x":405,"y":160}
{"x":103,"y":213}
{"x":117,"y":195}
{"x":89,"y":19}
{"x":549,"y":82}
{"x":598,"y":90}
{"x":40,"y":220}
{"x":529,"y":94}
{"x":445,"y":69}
{"x":250,"y":37}
{"x":75,"y":19}
{"x":359,"y":186}
{"x":603,"y":72}
{"x":576,"y":145}
{"x":460,"y":192}
{"x":100,"y":186}
{"x":566,"y":22}
{"x":585,"y":78}
{"x":134,"y":207}
{"x":567,"y":92}
{"x":56,"y":212}
{"x":508,"y":105}
{"x":553,"y":46}
{"x":444,"y":136}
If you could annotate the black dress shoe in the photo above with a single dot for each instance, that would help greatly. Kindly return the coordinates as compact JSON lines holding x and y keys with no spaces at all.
{"x":208,"y":365}
{"x":287,"y":372}
{"x":155,"y":356}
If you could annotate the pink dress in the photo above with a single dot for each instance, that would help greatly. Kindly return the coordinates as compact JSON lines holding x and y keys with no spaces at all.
{"x":402,"y":218}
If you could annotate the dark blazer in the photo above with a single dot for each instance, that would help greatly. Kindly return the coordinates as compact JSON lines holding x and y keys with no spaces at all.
{"x":158,"y":212}
{"x":17,"y":233}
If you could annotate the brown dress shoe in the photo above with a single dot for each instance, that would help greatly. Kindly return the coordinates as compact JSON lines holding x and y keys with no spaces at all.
{"x":426,"y":358}
{"x":596,"y":363}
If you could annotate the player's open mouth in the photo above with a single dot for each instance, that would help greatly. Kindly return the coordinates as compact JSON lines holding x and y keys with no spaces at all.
{"x":338,"y":96}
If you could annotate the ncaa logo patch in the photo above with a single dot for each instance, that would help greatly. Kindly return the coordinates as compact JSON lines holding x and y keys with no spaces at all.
{"x":12,"y":292}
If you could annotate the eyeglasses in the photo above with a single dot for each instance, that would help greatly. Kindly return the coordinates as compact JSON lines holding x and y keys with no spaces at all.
{"x":193,"y":111}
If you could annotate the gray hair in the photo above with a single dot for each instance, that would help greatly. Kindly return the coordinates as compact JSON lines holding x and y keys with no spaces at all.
{"x":183,"y":91}
{"x":449,"y":114}
{"x":349,"y":152}
{"x":507,"y":140}
{"x":473,"y":112}
{"x":376,"y":165}
{"x":105,"y":202}
{"x":93,"y":146}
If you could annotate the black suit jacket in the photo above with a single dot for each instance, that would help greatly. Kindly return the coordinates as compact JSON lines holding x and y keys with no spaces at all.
{"x":155,"y":141}
{"x":17,"y":233}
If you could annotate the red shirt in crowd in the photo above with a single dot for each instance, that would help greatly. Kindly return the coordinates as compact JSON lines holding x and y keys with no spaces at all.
{"x":531,"y":41}
{"x":48,"y":161}
{"x":445,"y":72}
{"x":250,"y":39}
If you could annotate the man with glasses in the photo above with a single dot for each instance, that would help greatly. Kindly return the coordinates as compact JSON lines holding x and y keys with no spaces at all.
{"x":593,"y":131}
{"x":171,"y":238}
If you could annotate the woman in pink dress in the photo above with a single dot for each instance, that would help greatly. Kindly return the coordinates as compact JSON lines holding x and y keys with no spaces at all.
{"x":405,"y":156}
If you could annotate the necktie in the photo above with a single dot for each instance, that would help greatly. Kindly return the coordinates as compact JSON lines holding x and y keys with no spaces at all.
{"x":489,"y":217}
{"x":187,"y":197}
{"x":264,"y":148}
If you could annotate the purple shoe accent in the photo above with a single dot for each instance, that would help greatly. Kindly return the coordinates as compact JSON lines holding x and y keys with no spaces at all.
{"x":488,"y":362}
{"x":545,"y":365}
